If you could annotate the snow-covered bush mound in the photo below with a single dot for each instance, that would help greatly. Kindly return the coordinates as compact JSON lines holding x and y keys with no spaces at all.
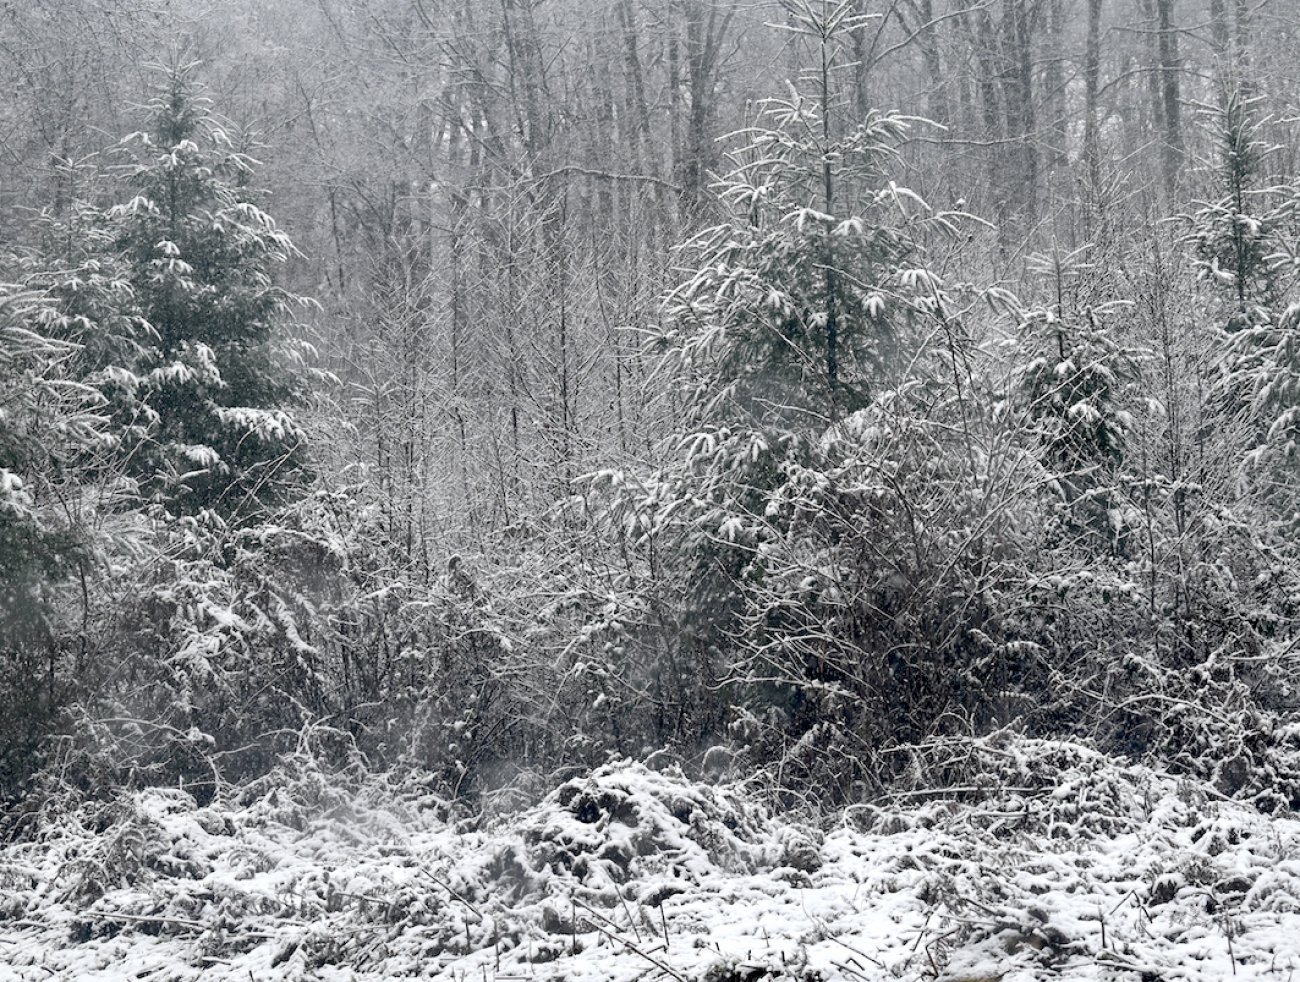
{"x":629,"y":825}
{"x":1038,"y":860}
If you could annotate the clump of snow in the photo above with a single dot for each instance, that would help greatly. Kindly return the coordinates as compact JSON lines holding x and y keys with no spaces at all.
{"x":1045,"y":860}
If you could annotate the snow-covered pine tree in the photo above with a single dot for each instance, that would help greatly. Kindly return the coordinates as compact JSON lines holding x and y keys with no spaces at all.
{"x":1234,"y":236}
{"x":164,"y":311}
{"x":818,"y":497}
{"x":1070,"y":384}
{"x":48,"y":422}
{"x":802,"y":303}
{"x":217,"y":380}
{"x":1245,"y":244}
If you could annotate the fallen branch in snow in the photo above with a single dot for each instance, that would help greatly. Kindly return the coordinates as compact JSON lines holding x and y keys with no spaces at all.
{"x":629,"y":945}
{"x":857,"y":951}
{"x":164,"y":921}
{"x":844,"y":967}
{"x":447,"y":886}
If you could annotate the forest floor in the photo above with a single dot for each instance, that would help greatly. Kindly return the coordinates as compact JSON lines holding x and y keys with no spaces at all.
{"x":1056,"y":863}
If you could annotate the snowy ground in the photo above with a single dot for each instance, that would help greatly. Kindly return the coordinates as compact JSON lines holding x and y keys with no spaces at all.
{"x":1059,"y":864}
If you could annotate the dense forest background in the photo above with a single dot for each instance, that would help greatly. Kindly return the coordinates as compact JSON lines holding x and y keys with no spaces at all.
{"x":800,"y":388}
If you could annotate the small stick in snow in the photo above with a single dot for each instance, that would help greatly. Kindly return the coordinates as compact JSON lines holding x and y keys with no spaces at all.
{"x":627,"y":910}
{"x":446,"y":886}
{"x":843,"y":967}
{"x":595,"y":913}
{"x":1227,"y":929}
{"x":921,"y":934}
{"x":857,"y":951}
{"x":631,"y":947}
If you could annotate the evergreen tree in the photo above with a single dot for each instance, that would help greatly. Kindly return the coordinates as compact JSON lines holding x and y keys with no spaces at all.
{"x":1234,"y":237}
{"x":48,"y":423}
{"x":828,"y":414}
{"x":1071,"y":388}
{"x":1245,"y":248}
{"x":215,"y":380}
{"x":805,"y":304}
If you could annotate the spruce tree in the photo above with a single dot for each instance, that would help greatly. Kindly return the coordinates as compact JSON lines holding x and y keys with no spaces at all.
{"x":1073,"y":387}
{"x":828,"y":412}
{"x":1245,"y":248}
{"x":216,"y":379}
{"x":1234,"y":236}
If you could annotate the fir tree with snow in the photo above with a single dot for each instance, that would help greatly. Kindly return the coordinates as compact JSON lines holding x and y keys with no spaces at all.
{"x":1073,"y":384}
{"x":217,"y":379}
{"x":1245,"y":243}
{"x":829,"y":389}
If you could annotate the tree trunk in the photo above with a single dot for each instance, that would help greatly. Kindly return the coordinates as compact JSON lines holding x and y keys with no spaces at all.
{"x":1218,"y":28}
{"x":1054,"y":81}
{"x":1154,"y":74}
{"x":858,"y":42}
{"x":994,"y":117}
{"x":1091,"y":90}
{"x":928,"y":35}
{"x":1020,"y":91}
{"x":704,"y":37}
{"x":639,"y":125}
{"x":1242,"y":10}
{"x":1170,"y":72}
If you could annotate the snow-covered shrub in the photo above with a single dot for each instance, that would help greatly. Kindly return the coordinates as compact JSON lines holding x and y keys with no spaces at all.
{"x":876,"y":613}
{"x":51,"y":430}
{"x":206,"y":659}
{"x":624,"y":824}
{"x":824,"y":540}
{"x":1073,"y":388}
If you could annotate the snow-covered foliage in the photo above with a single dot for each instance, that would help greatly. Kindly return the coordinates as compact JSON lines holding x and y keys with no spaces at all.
{"x":825,"y":365}
{"x":1245,"y":251}
{"x":1049,"y":861}
{"x":972,"y":591}
{"x":51,"y":430}
{"x":140,"y":367}
{"x":216,"y":380}
{"x":1073,"y":392}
